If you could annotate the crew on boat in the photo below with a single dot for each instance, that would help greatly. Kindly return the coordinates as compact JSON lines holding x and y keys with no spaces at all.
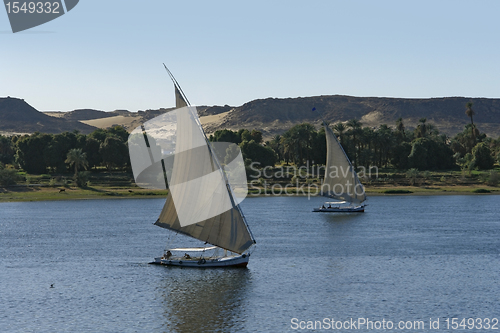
{"x":167,"y":255}
{"x":187,"y":256}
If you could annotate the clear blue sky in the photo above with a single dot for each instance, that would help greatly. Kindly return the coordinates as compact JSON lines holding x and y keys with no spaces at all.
{"x":108,"y":54}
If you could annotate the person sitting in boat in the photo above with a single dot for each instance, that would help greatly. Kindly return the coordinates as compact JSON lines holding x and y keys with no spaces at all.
{"x":330,"y":206}
{"x":187,"y":256}
{"x":168,"y":254}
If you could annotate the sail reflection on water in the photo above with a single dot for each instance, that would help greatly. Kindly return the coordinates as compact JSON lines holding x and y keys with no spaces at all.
{"x":205,"y":300}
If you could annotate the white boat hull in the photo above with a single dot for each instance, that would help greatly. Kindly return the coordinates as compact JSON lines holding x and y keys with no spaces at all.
{"x":357,"y":209}
{"x":233,"y":261}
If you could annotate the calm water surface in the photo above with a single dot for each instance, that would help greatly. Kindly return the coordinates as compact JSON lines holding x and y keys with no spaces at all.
{"x":406,"y":258}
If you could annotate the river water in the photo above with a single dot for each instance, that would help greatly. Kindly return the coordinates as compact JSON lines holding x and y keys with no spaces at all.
{"x":406,"y":260}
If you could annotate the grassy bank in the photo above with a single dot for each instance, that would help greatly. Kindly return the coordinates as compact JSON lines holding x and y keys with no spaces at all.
{"x":121,"y":185}
{"x":40,"y":193}
{"x":101,"y":186}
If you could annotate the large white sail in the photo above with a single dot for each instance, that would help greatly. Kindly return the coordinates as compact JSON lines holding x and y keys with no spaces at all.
{"x":172,"y":151}
{"x":201,"y":202}
{"x":341,"y":181}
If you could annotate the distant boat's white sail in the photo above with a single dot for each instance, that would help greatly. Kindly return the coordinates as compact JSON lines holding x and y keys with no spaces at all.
{"x":341,"y":181}
{"x":200,"y":203}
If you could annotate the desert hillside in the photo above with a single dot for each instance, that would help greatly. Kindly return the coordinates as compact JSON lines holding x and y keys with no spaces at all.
{"x":272,"y":115}
{"x":17,"y":116}
{"x":83,"y":114}
{"x":101,"y":119}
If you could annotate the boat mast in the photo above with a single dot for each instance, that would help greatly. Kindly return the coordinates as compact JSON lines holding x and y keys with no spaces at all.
{"x":178,"y":87}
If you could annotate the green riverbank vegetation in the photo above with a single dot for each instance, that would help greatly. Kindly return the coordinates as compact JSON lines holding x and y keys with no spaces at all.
{"x":389,"y":160}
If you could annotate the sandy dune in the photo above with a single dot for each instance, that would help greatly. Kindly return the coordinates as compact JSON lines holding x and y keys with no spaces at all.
{"x":127,"y":122}
{"x":213,"y":119}
{"x":132,"y":122}
{"x":8,"y":133}
{"x":56,"y":114}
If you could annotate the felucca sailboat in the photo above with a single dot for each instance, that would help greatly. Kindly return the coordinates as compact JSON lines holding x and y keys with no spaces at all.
{"x":202,"y":202}
{"x":341,"y":181}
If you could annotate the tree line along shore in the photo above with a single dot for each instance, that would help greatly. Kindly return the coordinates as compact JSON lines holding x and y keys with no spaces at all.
{"x":74,"y":165}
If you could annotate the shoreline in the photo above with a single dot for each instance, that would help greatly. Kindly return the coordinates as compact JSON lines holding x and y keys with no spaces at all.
{"x":46,"y":193}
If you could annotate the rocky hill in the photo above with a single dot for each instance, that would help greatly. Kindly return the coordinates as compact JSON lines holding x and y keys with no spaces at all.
{"x":273,"y":115}
{"x":87,"y":114}
{"x":17,"y":116}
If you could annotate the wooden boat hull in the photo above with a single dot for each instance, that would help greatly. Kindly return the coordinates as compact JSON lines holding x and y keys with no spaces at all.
{"x":358,"y":209}
{"x":236,"y":261}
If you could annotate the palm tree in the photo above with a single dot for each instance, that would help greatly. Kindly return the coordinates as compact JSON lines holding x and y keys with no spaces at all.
{"x":355,"y":126}
{"x":340,"y":129}
{"x":467,"y":139}
{"x":431,"y":129}
{"x":386,"y":139}
{"x":474,"y":131}
{"x":77,"y":158}
{"x":469,"y":112}
{"x":421,"y":128}
{"x":287,"y":146}
{"x":400,"y":127}
{"x":277,"y":146}
{"x":354,"y":123}
{"x":412,"y":175}
{"x":303,"y":136}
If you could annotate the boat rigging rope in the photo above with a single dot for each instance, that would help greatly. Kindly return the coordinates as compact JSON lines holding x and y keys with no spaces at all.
{"x":170,"y":240}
